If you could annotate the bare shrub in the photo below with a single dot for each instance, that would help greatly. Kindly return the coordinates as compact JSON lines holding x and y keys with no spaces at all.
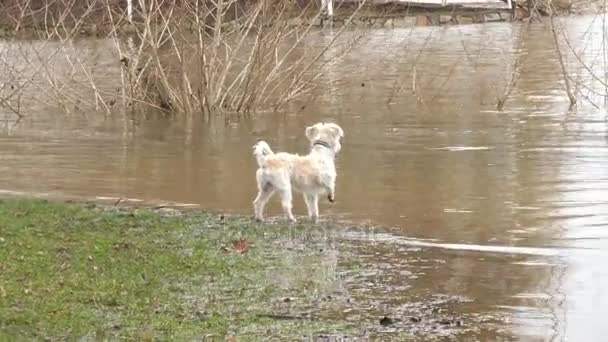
{"x":202,"y":57}
{"x":196,"y":56}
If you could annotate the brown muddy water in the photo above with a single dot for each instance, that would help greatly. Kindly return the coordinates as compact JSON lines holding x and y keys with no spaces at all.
{"x":499,"y":218}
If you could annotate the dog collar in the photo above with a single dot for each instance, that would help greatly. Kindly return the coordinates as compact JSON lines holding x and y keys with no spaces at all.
{"x":322,"y":143}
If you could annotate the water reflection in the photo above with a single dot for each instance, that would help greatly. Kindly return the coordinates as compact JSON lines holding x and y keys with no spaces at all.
{"x":503,"y":210}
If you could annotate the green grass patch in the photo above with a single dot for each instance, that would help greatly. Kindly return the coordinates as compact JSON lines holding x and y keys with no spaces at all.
{"x":68,"y":271}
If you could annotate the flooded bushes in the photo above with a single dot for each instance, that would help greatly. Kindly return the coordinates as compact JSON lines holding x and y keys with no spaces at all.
{"x":178,"y":56}
{"x":200,"y":61}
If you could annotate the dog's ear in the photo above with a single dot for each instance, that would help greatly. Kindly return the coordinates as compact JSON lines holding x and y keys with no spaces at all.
{"x":336,"y":130}
{"x":311,"y":132}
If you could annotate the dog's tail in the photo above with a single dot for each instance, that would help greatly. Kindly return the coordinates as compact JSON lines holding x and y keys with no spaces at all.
{"x":260,"y":151}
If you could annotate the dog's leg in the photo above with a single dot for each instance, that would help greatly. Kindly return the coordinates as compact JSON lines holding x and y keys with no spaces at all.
{"x":331,"y":189}
{"x":260,"y":201}
{"x":312,"y":204}
{"x":315,"y":208}
{"x":307,"y":200}
{"x":286,"y":202}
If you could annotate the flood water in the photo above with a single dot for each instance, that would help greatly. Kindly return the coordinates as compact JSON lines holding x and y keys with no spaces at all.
{"x":503,"y":212}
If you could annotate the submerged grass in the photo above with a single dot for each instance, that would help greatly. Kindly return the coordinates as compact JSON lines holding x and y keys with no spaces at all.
{"x":69,"y":271}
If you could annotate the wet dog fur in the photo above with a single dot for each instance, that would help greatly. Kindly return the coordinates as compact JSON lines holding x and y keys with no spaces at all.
{"x":312,"y":175}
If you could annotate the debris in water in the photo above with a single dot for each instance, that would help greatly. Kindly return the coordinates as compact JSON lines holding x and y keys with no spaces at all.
{"x":385,"y":321}
{"x":447,"y":321}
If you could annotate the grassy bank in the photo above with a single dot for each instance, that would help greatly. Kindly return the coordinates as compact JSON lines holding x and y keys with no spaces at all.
{"x":69,"y":271}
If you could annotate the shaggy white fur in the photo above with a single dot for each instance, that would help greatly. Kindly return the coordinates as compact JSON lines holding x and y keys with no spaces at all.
{"x":312,"y":175}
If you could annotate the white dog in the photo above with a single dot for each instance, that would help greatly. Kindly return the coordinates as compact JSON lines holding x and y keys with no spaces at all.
{"x":312,"y":175}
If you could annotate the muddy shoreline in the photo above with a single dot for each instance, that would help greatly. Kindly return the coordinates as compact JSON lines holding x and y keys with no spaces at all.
{"x":339,"y":308}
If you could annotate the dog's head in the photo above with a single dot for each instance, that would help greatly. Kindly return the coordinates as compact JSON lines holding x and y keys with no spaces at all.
{"x":329,"y":133}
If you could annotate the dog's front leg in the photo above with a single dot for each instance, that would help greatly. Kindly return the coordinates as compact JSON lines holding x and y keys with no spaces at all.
{"x":315,"y":208}
{"x":331,"y":189}
{"x":312,"y":204}
{"x":308,"y":201}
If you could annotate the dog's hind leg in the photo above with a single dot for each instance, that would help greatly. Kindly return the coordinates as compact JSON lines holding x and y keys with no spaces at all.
{"x":265,"y":192}
{"x":285,"y":193}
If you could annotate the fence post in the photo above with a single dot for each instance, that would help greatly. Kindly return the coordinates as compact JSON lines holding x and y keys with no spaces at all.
{"x":130,"y":10}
